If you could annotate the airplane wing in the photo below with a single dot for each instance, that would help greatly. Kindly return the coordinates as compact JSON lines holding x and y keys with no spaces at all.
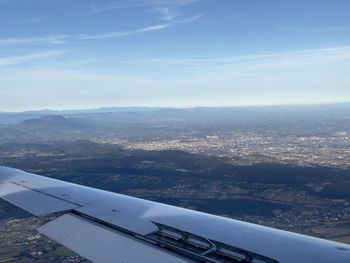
{"x":108,"y":227}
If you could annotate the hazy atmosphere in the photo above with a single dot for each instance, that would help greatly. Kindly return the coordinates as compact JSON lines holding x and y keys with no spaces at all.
{"x":238,"y":109}
{"x":63,"y":54}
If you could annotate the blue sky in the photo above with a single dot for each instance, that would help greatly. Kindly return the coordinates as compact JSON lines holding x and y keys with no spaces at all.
{"x":68,"y":54}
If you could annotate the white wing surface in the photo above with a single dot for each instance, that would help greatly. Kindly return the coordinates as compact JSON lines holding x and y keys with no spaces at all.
{"x":108,"y":227}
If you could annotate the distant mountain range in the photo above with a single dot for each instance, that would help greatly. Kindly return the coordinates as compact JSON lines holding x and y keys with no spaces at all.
{"x":144,"y":124}
{"x":53,"y":127}
{"x":52,"y":123}
{"x":187,"y":113}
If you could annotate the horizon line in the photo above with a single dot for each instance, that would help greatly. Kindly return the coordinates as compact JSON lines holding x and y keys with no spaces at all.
{"x":173,"y":107}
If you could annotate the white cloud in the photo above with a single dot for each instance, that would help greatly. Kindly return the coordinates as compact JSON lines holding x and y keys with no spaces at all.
{"x":329,"y":29}
{"x":168,"y":10}
{"x":112,"y":5}
{"x":54,"y":39}
{"x":248,"y":61}
{"x":28,"y":58}
{"x":126,"y":33}
{"x":304,"y":76}
{"x":167,"y":13}
{"x":58,"y":39}
{"x":140,"y":30}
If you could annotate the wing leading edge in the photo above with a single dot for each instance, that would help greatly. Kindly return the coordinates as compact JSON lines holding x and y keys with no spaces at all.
{"x":108,"y":227}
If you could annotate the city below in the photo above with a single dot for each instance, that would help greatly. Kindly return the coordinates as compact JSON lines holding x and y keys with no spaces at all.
{"x":284,"y":167}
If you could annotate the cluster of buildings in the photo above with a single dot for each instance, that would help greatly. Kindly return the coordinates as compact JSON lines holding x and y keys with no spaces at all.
{"x":331,"y":151}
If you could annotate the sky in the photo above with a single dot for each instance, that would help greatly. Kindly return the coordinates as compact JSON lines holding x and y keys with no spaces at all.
{"x":73,"y":54}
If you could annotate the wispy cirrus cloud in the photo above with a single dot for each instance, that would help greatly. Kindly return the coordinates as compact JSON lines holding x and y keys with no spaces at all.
{"x":168,"y":13}
{"x":167,"y":10}
{"x":126,"y":33}
{"x":169,"y":22}
{"x":59,"y":39}
{"x":51,"y":39}
{"x":326,"y":54}
{"x":15,"y":60}
{"x":112,"y":5}
{"x":300,"y":62}
{"x":170,"y":10}
{"x":140,"y":30}
{"x":328,"y":29}
{"x":302,"y":76}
